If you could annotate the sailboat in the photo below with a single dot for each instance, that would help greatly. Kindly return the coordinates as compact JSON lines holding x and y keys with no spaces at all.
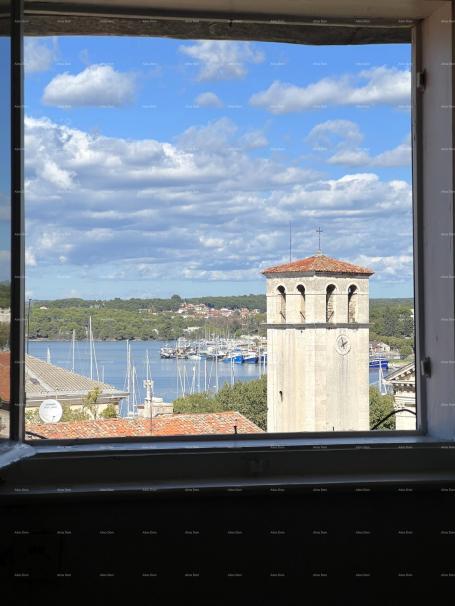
{"x":93,"y":360}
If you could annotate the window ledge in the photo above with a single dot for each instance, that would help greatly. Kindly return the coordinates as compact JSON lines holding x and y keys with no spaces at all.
{"x":12,"y":452}
{"x":126,"y":467}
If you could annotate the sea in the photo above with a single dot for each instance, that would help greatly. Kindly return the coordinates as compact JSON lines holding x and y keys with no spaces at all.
{"x":171,"y":379}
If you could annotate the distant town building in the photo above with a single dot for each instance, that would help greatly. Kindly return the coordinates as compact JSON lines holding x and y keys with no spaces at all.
{"x":318,"y":346}
{"x":403,"y":383}
{"x":229,"y":422}
{"x":5,"y":314}
{"x":187,"y":310}
{"x":191,"y":329}
{"x":379,"y":347}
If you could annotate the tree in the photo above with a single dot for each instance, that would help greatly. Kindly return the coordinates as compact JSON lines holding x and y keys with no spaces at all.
{"x":74,"y":415}
{"x":110,"y":412}
{"x":4,"y":334}
{"x":197,"y":402}
{"x":380,"y":407}
{"x":32,"y":416}
{"x":90,"y":402}
{"x":247,"y":398}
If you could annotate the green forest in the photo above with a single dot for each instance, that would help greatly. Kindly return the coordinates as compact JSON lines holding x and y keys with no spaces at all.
{"x":154,"y":305}
{"x":250,"y":400}
{"x":5,"y":293}
{"x":154,"y":318}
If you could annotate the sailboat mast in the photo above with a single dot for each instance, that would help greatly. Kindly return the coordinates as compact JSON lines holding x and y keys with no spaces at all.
{"x":216,"y":365}
{"x":128,"y":373}
{"x":73,"y":348}
{"x":90,"y":345}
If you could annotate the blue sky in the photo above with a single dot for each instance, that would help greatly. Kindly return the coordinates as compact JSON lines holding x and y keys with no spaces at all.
{"x":158,"y":166}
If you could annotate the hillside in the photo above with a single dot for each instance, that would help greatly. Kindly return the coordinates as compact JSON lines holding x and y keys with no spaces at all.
{"x":157,"y":318}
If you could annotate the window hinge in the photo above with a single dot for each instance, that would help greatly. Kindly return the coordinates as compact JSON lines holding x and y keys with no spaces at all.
{"x":425,"y":367}
{"x":421,"y":80}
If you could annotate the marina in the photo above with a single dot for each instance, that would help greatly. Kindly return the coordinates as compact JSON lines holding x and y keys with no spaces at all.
{"x":173,"y":377}
{"x":108,"y":362}
{"x":249,"y":350}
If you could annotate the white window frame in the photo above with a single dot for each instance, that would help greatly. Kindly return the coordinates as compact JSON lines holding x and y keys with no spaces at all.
{"x":308,"y":459}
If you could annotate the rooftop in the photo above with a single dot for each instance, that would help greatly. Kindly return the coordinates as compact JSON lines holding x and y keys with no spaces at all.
{"x":173,"y":425}
{"x":403,"y":374}
{"x":43,"y":379}
{"x":4,"y":376}
{"x":319,"y":264}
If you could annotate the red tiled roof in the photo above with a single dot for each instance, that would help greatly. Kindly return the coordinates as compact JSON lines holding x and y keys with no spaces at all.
{"x":4,"y":376}
{"x":173,"y":425}
{"x":319,"y":264}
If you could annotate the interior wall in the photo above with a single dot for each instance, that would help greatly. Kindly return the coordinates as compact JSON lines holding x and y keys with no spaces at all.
{"x":437,"y":217}
{"x":277,"y":547}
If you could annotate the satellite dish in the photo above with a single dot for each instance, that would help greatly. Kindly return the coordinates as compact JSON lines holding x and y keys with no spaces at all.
{"x":50,"y":411}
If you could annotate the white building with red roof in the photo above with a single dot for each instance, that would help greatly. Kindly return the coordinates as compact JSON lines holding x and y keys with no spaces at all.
{"x":318,"y":345}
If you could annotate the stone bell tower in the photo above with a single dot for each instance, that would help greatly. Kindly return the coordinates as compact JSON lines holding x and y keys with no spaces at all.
{"x":318,"y":346}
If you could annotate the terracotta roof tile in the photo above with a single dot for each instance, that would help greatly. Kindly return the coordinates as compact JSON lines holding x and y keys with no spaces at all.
{"x":319,"y":264}
{"x":4,"y":376}
{"x":174,"y":425}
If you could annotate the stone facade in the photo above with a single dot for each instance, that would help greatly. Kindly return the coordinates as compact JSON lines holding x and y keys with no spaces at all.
{"x":318,"y":351}
{"x":403,"y":383}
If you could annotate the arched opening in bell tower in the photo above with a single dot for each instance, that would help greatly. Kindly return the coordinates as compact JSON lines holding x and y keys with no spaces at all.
{"x":330,"y":303}
{"x":282,"y":303}
{"x":353,"y":295}
{"x":301,"y":290}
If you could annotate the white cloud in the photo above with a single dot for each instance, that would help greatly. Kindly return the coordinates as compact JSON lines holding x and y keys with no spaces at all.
{"x":97,"y":85}
{"x":222,"y":59}
{"x":342,"y":139}
{"x":208,"y":99}
{"x":391,"y":268}
{"x":379,"y":85}
{"x":254,"y":139}
{"x":198,"y":208}
{"x":30,"y":259}
{"x":322,"y":135}
{"x":397,"y":156}
{"x":39,"y":54}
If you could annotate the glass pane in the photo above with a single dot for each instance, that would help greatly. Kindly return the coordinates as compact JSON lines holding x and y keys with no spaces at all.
{"x":5,"y":213}
{"x":219,"y":237}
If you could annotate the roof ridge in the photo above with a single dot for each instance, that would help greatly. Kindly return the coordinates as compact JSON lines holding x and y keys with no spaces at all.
{"x":319,"y":263}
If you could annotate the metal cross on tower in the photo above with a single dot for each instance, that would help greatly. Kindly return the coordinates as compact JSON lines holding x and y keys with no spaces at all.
{"x":319,"y":232}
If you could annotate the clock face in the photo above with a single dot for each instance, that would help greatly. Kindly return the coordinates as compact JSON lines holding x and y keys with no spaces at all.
{"x":343,"y":344}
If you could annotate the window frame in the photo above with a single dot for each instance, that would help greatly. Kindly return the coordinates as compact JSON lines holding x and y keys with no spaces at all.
{"x":257,"y":455}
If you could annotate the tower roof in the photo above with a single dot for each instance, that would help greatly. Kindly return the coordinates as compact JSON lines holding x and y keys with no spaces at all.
{"x":319,"y":264}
